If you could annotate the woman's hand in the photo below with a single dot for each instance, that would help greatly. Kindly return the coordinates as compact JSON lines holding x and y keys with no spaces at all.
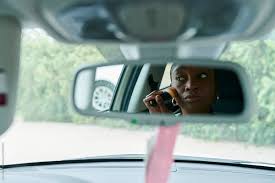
{"x":154,"y":102}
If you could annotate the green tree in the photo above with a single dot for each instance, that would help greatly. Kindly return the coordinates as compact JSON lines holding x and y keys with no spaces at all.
{"x":47,"y":70}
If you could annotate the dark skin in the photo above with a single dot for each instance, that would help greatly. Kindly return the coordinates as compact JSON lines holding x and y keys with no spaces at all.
{"x":196,"y":91}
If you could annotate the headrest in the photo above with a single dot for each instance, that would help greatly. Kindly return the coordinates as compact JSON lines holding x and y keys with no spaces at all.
{"x":230,"y":96}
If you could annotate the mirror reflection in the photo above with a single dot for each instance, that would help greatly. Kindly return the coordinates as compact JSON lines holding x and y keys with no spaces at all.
{"x":161,"y":88}
{"x":192,"y":90}
{"x":106,"y":79}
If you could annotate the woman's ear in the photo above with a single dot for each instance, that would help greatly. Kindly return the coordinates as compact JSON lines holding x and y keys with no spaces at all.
{"x":174,"y":102}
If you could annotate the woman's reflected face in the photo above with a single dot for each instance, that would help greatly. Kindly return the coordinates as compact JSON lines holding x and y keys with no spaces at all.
{"x":196,"y":88}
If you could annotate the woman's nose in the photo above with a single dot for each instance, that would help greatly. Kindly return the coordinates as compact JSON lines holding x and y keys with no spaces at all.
{"x":191,"y":85}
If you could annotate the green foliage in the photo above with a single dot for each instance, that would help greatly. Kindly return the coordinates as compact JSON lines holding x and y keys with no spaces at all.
{"x":258,"y":58}
{"x":47,"y":70}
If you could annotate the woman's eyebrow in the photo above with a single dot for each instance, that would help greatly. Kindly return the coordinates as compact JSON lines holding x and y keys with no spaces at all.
{"x":180,"y":70}
{"x":205,"y":70}
{"x":180,"y":73}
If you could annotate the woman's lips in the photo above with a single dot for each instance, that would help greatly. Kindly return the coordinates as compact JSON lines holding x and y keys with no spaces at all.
{"x":192,"y":98}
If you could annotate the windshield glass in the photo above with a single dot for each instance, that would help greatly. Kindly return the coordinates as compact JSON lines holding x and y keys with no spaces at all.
{"x":46,"y":127}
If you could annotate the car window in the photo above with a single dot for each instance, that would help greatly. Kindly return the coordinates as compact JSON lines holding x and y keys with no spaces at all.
{"x":106,"y":80}
{"x":166,"y":80}
{"x":47,"y":128}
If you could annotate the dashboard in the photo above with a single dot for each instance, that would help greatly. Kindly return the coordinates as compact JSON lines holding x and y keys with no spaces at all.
{"x":133,"y":172}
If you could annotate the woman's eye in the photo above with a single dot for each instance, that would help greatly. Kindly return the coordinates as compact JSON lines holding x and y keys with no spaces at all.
{"x":203,"y":75}
{"x":180,"y":78}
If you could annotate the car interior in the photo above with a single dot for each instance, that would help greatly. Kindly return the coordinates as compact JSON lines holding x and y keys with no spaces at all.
{"x":229,"y":89}
{"x":149,"y":36}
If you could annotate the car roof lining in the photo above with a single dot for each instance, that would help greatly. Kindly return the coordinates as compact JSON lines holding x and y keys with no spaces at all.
{"x":31,"y":14}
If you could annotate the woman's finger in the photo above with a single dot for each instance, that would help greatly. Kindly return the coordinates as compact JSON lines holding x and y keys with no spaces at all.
{"x":152,"y":109}
{"x":161,"y":105}
{"x":149,"y":98}
{"x":154,"y":93}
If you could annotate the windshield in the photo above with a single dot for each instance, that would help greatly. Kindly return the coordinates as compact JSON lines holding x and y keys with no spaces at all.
{"x":46,"y":128}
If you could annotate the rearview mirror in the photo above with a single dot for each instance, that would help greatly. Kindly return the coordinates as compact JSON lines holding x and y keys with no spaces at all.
{"x":197,"y":90}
